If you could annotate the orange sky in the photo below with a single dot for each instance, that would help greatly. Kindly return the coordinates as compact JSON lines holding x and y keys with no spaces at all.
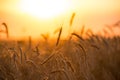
{"x":92,"y":13}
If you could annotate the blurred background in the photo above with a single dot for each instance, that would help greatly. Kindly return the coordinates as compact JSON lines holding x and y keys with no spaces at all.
{"x":35,"y":17}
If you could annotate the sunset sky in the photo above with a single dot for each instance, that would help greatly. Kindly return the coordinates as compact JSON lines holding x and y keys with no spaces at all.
{"x":35,"y":17}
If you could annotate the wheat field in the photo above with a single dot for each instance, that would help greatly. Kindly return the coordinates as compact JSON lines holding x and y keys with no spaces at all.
{"x":75,"y":58}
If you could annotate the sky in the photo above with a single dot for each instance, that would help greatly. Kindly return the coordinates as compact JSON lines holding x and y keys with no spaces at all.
{"x":94,"y":14}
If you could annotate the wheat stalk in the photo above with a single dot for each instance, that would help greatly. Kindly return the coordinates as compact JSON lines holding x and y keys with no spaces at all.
{"x":72,"y":18}
{"x":58,"y":39}
{"x":47,"y":59}
{"x":77,"y":36}
{"x":31,"y":62}
{"x":95,"y":46}
{"x":7,"y":33}
{"x":82,"y":30}
{"x":23,"y":55}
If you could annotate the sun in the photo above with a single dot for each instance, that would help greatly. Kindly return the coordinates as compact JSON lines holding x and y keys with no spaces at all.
{"x":45,"y":8}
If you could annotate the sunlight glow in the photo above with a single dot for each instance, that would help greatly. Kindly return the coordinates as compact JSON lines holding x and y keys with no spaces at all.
{"x":35,"y":17}
{"x":45,"y":8}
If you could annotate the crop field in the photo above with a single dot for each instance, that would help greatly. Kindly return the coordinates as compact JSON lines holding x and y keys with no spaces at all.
{"x":81,"y":55}
{"x":59,"y":39}
{"x":75,"y":58}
